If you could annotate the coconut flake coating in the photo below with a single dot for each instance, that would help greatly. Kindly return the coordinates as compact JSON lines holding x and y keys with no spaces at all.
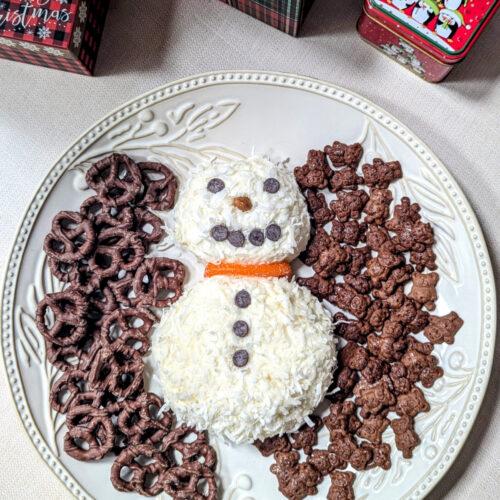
{"x":199,"y":210}
{"x":291,"y":352}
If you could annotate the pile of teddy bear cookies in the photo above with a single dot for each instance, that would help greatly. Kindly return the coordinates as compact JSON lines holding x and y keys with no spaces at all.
{"x":364,"y":262}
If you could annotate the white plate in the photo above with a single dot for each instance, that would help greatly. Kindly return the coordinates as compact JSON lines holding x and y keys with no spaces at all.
{"x":237,"y":113}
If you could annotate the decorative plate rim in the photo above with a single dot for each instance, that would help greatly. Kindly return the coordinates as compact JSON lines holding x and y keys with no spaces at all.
{"x":181,"y":86}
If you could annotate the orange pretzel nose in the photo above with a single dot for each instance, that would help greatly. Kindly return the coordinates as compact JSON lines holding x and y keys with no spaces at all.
{"x":268,"y":270}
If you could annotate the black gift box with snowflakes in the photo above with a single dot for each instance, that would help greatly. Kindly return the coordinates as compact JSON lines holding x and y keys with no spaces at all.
{"x":59,"y":34}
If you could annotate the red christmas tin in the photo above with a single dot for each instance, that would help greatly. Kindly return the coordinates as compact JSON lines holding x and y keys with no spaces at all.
{"x":427,"y":36}
{"x":60,"y":34}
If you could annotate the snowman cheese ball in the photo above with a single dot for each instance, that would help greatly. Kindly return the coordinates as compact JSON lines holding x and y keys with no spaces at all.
{"x":245,"y":353}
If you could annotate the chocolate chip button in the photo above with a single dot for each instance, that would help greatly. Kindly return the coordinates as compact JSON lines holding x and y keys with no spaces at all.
{"x":219,"y":233}
{"x":273,"y":232}
{"x":240,"y":328}
{"x":240,"y":358}
{"x":215,"y":185}
{"x":236,"y":238}
{"x":271,"y":185}
{"x":242,"y":299}
{"x":256,"y":237}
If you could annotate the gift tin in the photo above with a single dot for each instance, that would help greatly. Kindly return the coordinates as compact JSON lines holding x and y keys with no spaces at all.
{"x":427,"y":36}
{"x":58,"y":34}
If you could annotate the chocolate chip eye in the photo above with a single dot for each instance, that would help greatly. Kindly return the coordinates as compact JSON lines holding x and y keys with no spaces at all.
{"x":215,"y":185}
{"x":271,"y":185}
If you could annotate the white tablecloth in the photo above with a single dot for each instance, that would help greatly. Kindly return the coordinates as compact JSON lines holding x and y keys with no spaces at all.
{"x":148,"y":43}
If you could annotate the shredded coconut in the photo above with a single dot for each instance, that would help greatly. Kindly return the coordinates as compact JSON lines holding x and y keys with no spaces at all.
{"x":199,"y":210}
{"x":291,"y":350}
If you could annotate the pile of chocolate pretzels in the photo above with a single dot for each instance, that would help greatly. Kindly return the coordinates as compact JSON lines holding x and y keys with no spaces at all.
{"x":97,"y":330}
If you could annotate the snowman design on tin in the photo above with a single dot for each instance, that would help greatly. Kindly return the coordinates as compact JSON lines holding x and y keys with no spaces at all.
{"x":425,"y":11}
{"x":242,"y":355}
{"x":403,"y":4}
{"x":448,"y":22}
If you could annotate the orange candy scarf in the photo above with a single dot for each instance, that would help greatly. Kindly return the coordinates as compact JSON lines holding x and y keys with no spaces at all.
{"x":268,"y":270}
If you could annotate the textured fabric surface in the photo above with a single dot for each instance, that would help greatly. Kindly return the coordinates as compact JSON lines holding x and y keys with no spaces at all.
{"x":148,"y":43}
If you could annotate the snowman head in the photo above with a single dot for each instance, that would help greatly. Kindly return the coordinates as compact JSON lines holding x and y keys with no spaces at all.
{"x":249,"y":211}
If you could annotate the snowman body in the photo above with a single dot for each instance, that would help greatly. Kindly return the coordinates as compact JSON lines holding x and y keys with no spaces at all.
{"x":246,"y":368}
{"x":244,"y":357}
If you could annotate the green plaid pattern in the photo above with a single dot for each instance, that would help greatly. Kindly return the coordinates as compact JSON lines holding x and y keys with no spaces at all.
{"x":285,"y":15}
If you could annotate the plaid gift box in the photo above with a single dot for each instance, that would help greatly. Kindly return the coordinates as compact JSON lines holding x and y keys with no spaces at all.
{"x":59,"y":34}
{"x":286,"y":15}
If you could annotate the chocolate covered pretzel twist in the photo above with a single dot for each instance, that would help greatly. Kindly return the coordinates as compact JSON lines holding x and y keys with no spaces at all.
{"x":123,"y":320}
{"x":66,"y":389}
{"x":183,"y":482}
{"x":148,"y":226}
{"x":65,"y":357}
{"x":122,"y":286}
{"x":117,"y":370}
{"x":72,"y":237}
{"x":141,"y":421}
{"x":104,"y":216}
{"x":160,"y":186}
{"x":97,"y":432}
{"x":116,"y":179}
{"x":68,"y":324}
{"x":101,"y":303}
{"x":158,"y":276}
{"x":130,"y":458}
{"x":190,"y":451}
{"x":117,"y":250}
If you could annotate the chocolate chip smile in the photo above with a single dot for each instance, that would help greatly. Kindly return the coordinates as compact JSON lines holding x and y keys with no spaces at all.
{"x":256,"y":236}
